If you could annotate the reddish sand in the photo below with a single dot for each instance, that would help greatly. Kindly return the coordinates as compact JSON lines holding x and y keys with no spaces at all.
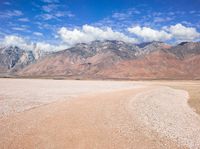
{"x":101,"y":119}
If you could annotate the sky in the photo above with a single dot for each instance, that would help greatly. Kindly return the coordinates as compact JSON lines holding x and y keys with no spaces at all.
{"x":59,"y":24}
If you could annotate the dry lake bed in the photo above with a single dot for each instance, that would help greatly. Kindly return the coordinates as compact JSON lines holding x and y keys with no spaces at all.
{"x":44,"y":113}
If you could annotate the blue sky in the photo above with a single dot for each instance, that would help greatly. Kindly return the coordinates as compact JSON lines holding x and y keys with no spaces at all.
{"x":67,"y":22}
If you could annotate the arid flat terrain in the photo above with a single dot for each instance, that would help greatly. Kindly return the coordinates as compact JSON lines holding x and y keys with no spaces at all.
{"x":42,"y":114}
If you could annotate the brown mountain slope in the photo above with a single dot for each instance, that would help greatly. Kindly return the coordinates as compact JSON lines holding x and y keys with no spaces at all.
{"x":13,"y":58}
{"x":101,"y":60}
{"x":157,"y":65}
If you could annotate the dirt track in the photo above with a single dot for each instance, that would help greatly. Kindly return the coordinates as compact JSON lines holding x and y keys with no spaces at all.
{"x":102,"y":120}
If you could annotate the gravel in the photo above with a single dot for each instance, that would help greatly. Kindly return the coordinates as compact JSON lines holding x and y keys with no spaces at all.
{"x":165,"y":111}
{"x":18,"y":95}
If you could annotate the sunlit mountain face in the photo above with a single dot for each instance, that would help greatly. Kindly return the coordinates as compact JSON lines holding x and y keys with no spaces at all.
{"x":60,"y":24}
{"x":109,"y":59}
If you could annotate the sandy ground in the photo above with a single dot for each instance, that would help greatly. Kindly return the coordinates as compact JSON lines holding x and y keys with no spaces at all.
{"x":165,"y":110}
{"x":96,"y":114}
{"x":192,"y":87}
{"x":17,"y":95}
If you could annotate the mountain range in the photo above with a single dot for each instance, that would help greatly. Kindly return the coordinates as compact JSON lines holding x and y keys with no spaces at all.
{"x":107,"y":59}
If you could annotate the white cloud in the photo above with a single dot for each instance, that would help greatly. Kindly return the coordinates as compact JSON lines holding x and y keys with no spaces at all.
{"x":14,"y":13}
{"x":9,"y":14}
{"x":37,"y":33}
{"x":63,"y":13}
{"x":176,"y":32}
{"x":183,"y":33}
{"x":7,"y":3}
{"x":13,"y":40}
{"x":56,"y":15}
{"x":161,"y":19}
{"x":89,"y":33}
{"x":69,"y":14}
{"x":123,"y":16}
{"x":50,"y":1}
{"x":19,"y":28}
{"x":43,"y":46}
{"x":148,"y":34}
{"x":23,"y":19}
{"x":49,"y":7}
{"x":48,"y":16}
{"x":60,"y":14}
{"x":120,"y":16}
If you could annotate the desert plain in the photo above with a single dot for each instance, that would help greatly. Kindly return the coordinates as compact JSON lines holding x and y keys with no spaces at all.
{"x":76,"y":114}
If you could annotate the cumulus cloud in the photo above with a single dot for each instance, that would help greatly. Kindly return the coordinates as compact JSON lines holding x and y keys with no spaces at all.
{"x":148,"y":34}
{"x":90,"y":33}
{"x":49,"y":47}
{"x":13,"y":40}
{"x":176,"y":32}
{"x":182,"y":33}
